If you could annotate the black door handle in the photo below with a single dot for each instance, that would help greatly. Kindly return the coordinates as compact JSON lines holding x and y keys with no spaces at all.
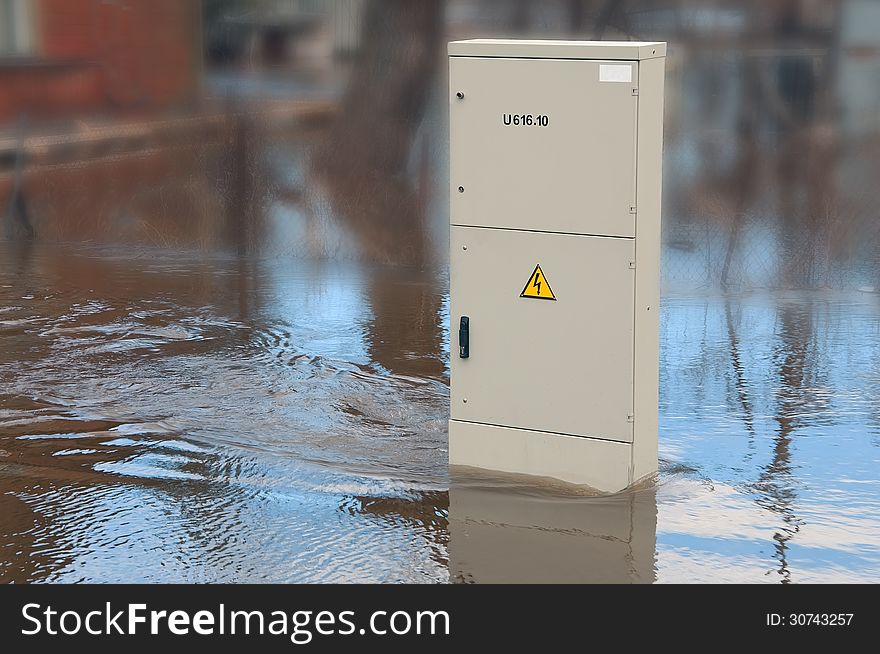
{"x":464,"y":337}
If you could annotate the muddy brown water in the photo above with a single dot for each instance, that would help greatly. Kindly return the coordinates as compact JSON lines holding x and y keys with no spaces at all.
{"x":173,"y":417}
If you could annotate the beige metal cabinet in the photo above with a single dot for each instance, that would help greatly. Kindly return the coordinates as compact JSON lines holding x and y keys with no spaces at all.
{"x":555,"y":154}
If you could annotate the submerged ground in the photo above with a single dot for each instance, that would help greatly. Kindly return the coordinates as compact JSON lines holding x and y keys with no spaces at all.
{"x":174,"y":417}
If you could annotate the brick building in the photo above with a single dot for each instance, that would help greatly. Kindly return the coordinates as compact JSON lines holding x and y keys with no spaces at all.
{"x":70,"y":57}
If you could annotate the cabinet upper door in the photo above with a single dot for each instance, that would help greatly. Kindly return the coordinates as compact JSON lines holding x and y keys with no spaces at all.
{"x":544,"y":144}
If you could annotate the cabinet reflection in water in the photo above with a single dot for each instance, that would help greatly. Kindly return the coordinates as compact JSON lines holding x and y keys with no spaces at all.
{"x":511,"y":530}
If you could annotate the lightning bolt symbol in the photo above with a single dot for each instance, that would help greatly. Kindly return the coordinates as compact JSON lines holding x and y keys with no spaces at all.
{"x":537,"y":282}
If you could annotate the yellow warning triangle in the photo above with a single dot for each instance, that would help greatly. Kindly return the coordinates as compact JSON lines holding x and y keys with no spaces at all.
{"x":537,"y":286}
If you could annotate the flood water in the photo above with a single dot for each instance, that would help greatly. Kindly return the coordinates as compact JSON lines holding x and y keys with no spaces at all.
{"x":185,"y":417}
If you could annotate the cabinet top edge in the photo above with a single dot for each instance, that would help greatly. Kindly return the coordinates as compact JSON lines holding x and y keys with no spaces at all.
{"x":555,"y":49}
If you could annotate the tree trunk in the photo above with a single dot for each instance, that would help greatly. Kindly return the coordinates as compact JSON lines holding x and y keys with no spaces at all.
{"x":363,"y":162}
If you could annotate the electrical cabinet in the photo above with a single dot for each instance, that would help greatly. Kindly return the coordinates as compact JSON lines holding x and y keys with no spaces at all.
{"x":555,"y":175}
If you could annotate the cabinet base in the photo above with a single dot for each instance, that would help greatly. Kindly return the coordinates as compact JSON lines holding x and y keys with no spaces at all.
{"x":603,"y":465}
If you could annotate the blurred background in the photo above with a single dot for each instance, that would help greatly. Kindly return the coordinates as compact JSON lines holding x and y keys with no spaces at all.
{"x":224,"y":297}
{"x":319,"y":127}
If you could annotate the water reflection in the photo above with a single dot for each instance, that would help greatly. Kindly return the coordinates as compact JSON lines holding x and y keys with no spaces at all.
{"x":512,"y":530}
{"x":406,"y":329}
{"x":772,"y":413}
{"x":794,"y":354}
{"x":172,"y":416}
{"x":740,"y":383}
{"x":20,"y":559}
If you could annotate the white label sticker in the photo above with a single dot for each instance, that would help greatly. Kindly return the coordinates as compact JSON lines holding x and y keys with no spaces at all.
{"x":615,"y":73}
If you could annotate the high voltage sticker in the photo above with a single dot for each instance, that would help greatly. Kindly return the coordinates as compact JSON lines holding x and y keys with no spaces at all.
{"x":537,"y":286}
